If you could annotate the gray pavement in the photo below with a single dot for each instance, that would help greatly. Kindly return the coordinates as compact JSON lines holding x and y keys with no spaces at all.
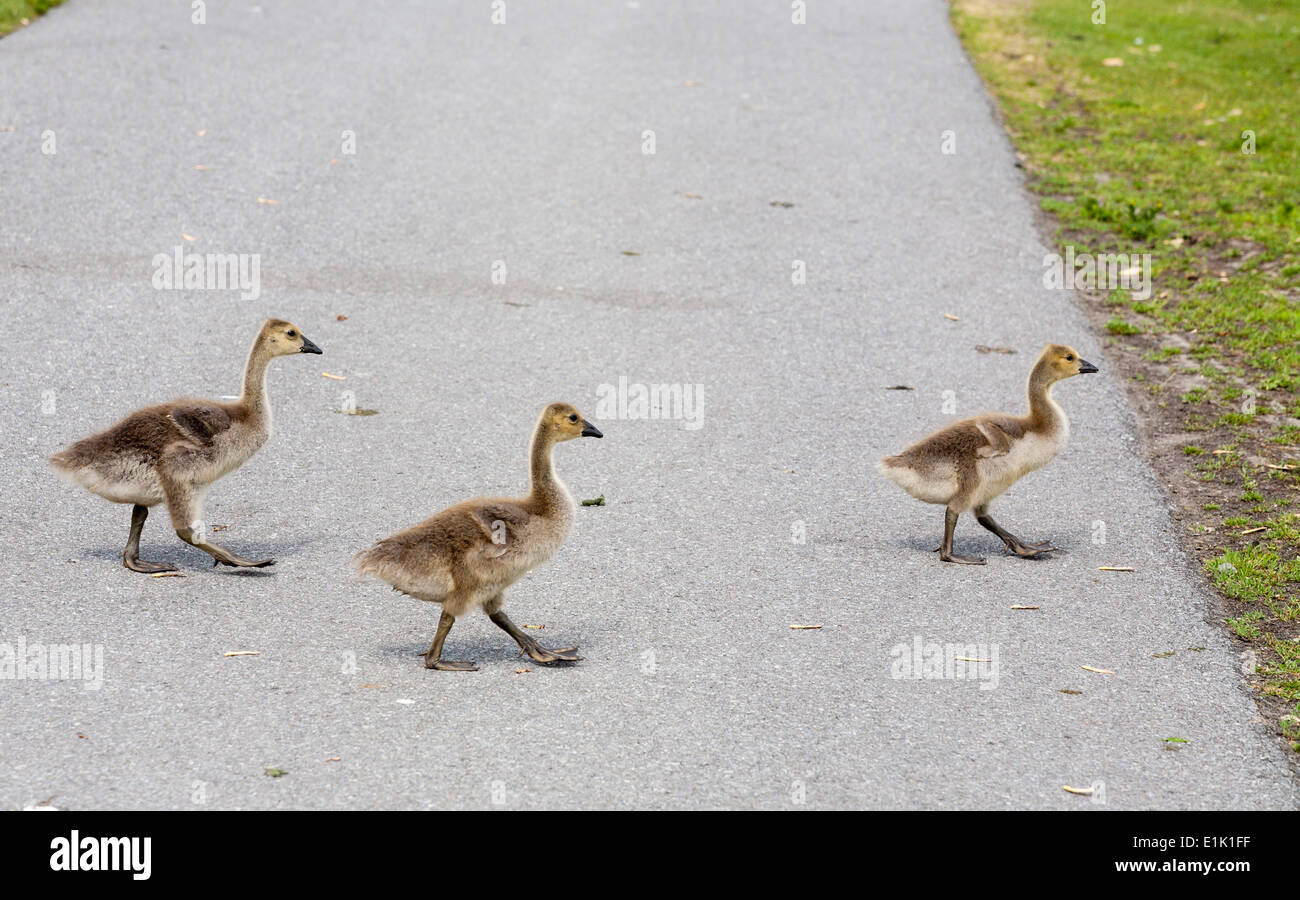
{"x":523,"y":142}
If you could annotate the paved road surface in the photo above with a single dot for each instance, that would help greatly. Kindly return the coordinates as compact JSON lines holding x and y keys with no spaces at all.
{"x":523,"y":143}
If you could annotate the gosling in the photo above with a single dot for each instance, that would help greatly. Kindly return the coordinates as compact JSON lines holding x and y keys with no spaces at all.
{"x":967,"y":464}
{"x":173,"y":452}
{"x":466,"y":556}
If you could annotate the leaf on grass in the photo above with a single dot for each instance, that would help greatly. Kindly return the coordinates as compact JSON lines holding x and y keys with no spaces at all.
{"x":242,"y":653}
{"x":1254,"y":530}
{"x":273,"y":772}
{"x":1176,"y":740}
{"x":1112,"y":62}
{"x":595,"y":501}
{"x":1098,"y":671}
{"x":1086,"y":792}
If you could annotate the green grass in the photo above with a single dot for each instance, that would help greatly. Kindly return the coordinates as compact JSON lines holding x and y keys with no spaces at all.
{"x":1147,"y":157}
{"x":12,"y":12}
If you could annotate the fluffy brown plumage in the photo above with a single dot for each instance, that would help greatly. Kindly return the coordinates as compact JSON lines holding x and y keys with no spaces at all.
{"x":964,"y":466}
{"x":172,"y":452}
{"x":466,"y":556}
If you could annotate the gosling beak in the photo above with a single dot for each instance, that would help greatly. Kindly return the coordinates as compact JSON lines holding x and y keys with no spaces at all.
{"x":1087,"y":368}
{"x":589,"y":430}
{"x":309,"y":347}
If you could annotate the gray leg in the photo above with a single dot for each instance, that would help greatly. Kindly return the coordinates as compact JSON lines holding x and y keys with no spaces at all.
{"x":945,"y":549}
{"x":1014,"y":544}
{"x":433,"y":658}
{"x":131,"y":555}
{"x":535,"y":650}
{"x":185,"y":507}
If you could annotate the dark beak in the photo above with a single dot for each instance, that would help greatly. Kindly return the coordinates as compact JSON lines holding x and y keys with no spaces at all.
{"x":589,"y":430}
{"x":309,"y":347}
{"x":1087,"y":368}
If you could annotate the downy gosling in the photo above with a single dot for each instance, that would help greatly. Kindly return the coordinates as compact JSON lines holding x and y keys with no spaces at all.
{"x":466,"y":556}
{"x":173,"y":452}
{"x":967,"y":464}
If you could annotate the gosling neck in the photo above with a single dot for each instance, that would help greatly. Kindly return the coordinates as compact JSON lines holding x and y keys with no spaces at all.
{"x":1044,"y":414}
{"x":253,"y":396}
{"x":547,"y":490}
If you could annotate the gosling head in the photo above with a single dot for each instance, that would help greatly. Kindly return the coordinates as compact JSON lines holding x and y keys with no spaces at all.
{"x":564,"y":423}
{"x":1063,"y":362}
{"x":283,"y":338}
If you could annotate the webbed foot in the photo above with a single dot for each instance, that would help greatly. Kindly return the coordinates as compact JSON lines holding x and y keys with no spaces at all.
{"x":451,"y":665}
{"x":963,"y":560}
{"x":540,"y":654}
{"x":135,"y":564}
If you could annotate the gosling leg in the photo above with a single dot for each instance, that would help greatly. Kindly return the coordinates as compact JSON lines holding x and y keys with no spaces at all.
{"x":220,"y":555}
{"x":433,"y":658}
{"x":945,"y":549}
{"x":535,"y":650}
{"x":185,"y":505}
{"x":131,"y":555}
{"x":1014,"y":544}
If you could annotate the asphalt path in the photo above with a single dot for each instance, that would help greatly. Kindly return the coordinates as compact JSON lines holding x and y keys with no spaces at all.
{"x":382,"y":161}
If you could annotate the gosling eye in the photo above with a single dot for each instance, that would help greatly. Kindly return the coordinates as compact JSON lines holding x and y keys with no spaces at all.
{"x":573,"y":418}
{"x":292,"y":333}
{"x":1069,"y":358}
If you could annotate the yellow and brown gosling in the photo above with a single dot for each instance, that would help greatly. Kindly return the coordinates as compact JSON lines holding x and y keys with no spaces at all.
{"x":466,"y":556}
{"x":173,"y":452}
{"x":967,"y":464}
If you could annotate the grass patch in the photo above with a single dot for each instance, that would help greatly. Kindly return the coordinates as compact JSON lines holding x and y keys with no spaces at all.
{"x":15,"y":14}
{"x":1174,"y":129}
